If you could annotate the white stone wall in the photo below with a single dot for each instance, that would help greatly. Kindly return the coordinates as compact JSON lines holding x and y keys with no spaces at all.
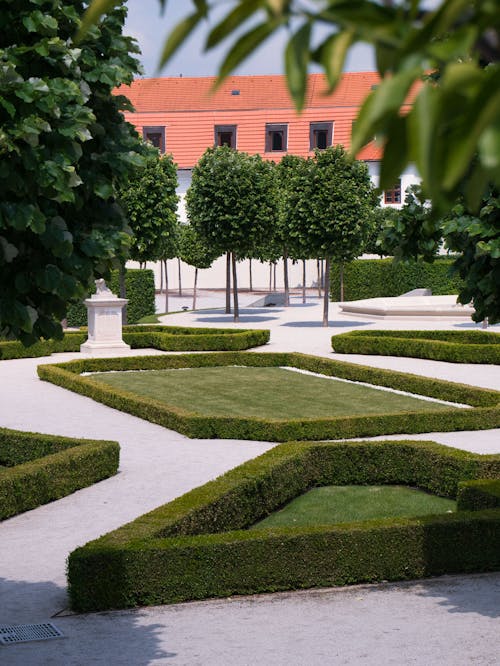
{"x":408,"y":177}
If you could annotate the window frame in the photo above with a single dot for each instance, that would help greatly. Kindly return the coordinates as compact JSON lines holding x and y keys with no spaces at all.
{"x":223,"y":129}
{"x":275,"y":128}
{"x":155,"y":129}
{"x":323,"y":126}
{"x":392,"y":196}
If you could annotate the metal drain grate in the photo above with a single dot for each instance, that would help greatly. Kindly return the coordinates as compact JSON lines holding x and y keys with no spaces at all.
{"x":23,"y":633}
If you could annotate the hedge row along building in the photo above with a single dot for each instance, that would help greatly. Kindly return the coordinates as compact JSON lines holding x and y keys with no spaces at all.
{"x":254,"y":114}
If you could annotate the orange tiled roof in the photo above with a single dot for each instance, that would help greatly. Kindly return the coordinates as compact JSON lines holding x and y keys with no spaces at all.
{"x":255,"y":92}
{"x":188,"y":111}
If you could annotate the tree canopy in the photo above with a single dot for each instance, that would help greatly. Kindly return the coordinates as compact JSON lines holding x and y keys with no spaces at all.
{"x":149,"y":201}
{"x":64,"y":148}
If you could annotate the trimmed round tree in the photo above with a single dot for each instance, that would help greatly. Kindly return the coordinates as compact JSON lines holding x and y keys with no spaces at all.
{"x":330,"y":209}
{"x":195,"y":252}
{"x":231,"y":203}
{"x":64,"y":148}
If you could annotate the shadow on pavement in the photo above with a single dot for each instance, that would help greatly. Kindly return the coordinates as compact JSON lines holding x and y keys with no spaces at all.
{"x":331,"y":324}
{"x":473,"y":594}
{"x":228,"y":319}
{"x":121,"y":637}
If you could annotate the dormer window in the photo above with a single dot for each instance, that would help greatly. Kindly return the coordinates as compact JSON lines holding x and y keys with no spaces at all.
{"x":225,"y":135}
{"x":276,"y":138}
{"x":155,"y":136}
{"x":320,"y":135}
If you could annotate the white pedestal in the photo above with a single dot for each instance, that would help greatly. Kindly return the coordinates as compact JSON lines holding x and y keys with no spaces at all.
{"x":104,"y":311}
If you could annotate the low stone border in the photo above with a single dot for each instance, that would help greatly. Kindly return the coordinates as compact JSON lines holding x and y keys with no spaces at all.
{"x":484,"y":414}
{"x":198,"y":546}
{"x":36,"y":469}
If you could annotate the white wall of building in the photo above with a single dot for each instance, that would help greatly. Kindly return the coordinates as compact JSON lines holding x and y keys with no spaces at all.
{"x":408,"y":177}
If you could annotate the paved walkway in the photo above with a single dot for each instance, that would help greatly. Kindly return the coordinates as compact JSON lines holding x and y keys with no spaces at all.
{"x":450,"y":620}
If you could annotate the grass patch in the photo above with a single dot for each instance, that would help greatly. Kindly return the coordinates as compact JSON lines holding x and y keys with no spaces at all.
{"x":483,"y":414}
{"x":343,"y":504}
{"x":271,"y":393}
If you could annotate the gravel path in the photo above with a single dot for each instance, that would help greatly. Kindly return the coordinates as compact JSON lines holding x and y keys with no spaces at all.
{"x":450,"y":620}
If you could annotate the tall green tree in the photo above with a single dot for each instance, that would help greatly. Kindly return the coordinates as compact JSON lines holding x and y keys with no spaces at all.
{"x":195,"y":252}
{"x":64,"y":149}
{"x":330,"y":210}
{"x":231,"y":203}
{"x":149,"y":201}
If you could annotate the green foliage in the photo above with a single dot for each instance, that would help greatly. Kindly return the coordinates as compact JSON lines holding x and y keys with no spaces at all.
{"x":381,"y":217}
{"x":199,"y":545}
{"x":166,"y":338}
{"x":149,"y":200}
{"x":193,"y":250}
{"x":477,"y":495}
{"x":372,"y":278}
{"x":451,"y":346}
{"x":65,"y":147}
{"x":140,"y":290}
{"x":477,"y":240}
{"x":230,"y":201}
{"x":484,"y":415}
{"x":412,"y":233}
{"x":41,"y":468}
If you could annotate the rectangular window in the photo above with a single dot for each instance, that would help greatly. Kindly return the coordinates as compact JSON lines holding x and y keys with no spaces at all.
{"x":320,"y":135}
{"x":276,"y":138}
{"x":155,"y":136}
{"x":393,"y":196}
{"x":225,"y":135}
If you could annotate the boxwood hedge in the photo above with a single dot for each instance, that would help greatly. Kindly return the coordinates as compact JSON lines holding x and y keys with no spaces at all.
{"x":198,"y":546}
{"x":372,"y":278}
{"x":484,"y":414}
{"x":36,"y":469}
{"x":166,"y":338}
{"x":452,"y":346}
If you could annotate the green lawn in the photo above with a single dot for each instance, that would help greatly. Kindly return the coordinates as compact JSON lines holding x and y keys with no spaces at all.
{"x":343,"y":504}
{"x":271,"y":393}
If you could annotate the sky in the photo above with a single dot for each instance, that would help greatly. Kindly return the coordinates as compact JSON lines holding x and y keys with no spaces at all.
{"x":145,"y":23}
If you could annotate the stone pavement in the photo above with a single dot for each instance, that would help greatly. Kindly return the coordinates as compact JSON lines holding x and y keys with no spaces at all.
{"x":449,"y":620}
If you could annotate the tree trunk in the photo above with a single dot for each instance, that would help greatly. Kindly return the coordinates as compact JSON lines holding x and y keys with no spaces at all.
{"x":303,"y":280}
{"x":274,"y":276}
{"x":123,"y":293}
{"x":166,"y":286}
{"x":161,"y":276}
{"x":194,"y":288}
{"x":250,"y":274}
{"x":285,"y":278}
{"x":319,"y":278}
{"x":228,"y":283}
{"x":342,"y":283}
{"x":179,"y":273}
{"x":326,"y":293}
{"x":235,"y":292}
{"x":322,"y":264}
{"x":270,"y":275}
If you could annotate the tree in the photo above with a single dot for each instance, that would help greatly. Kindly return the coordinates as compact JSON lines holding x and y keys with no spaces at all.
{"x":330,"y":209}
{"x":381,"y":217}
{"x":64,"y":148}
{"x":474,"y":238}
{"x":149,"y":201}
{"x":231,"y":203}
{"x":194,"y":252}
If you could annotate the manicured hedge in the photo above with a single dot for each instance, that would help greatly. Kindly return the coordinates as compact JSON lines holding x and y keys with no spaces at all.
{"x":372,"y":278}
{"x":140,"y":290}
{"x":166,"y":338}
{"x":453,"y":346}
{"x":482,"y":494}
{"x":36,"y":469}
{"x":484,"y":414}
{"x":198,"y":546}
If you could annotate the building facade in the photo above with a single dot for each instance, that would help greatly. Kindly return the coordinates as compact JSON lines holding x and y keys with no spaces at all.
{"x":255,"y":114}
